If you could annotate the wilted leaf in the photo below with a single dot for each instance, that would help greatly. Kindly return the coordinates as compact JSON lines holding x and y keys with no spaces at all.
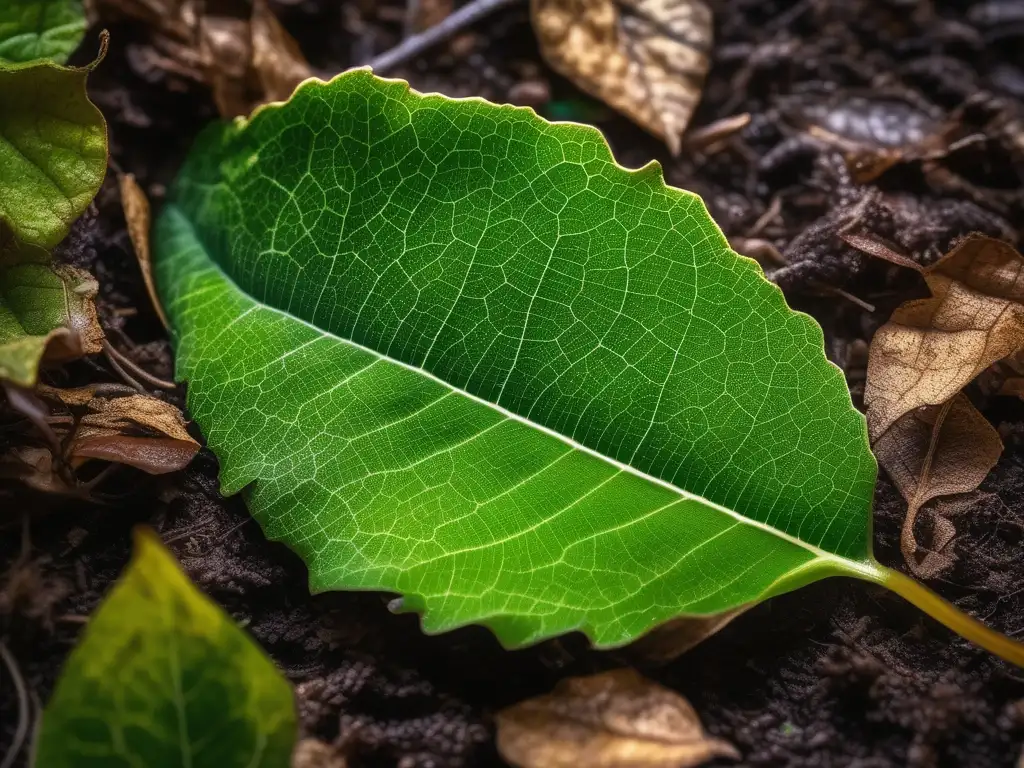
{"x":645,"y":58}
{"x":239,"y":49}
{"x":612,"y":720}
{"x":938,"y":450}
{"x":53,"y":150}
{"x":163,"y":677}
{"x":137,"y":430}
{"x":137,"y":217}
{"x":40,"y":29}
{"x":46,"y":312}
{"x":456,"y":352}
{"x":932,"y":348}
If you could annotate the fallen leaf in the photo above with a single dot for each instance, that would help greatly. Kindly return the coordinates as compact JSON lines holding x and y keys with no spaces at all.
{"x":645,"y":58}
{"x":46,"y":312}
{"x":137,"y":430}
{"x":424,"y":14}
{"x":34,"y":467}
{"x":614,"y":719}
{"x":276,"y":57}
{"x":313,"y":753}
{"x":674,"y":638}
{"x":162,"y":676}
{"x":137,"y":217}
{"x":932,"y":348}
{"x":239,"y":49}
{"x":938,"y":450}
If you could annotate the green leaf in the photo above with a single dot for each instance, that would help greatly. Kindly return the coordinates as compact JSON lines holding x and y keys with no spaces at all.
{"x":46,"y":310}
{"x":53,"y":150}
{"x":163,"y":677}
{"x":40,"y":29}
{"x":454,"y":351}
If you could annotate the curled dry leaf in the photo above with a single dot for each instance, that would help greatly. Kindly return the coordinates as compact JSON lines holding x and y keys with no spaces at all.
{"x":615,"y":719}
{"x":932,"y":348}
{"x":137,"y":217}
{"x":137,"y":430}
{"x":645,"y":58}
{"x":237,"y":48}
{"x":938,"y":450}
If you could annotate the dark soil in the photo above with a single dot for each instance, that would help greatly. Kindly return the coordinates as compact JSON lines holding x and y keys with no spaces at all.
{"x":837,"y":674}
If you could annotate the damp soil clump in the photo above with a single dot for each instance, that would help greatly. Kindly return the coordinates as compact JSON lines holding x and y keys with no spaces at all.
{"x":902,"y":118}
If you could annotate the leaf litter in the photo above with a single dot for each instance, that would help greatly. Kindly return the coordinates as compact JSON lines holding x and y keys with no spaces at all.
{"x":646,"y":58}
{"x":616,"y":719}
{"x":926,"y":433}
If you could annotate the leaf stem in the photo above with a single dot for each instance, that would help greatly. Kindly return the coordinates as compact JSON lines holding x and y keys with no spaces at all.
{"x":948,"y":614}
{"x":415,"y":45}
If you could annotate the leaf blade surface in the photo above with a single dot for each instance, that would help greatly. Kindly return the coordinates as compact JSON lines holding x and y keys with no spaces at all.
{"x":506,"y":378}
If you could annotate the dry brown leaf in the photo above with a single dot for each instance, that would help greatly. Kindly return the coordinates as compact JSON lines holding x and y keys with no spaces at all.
{"x":137,"y":217}
{"x":276,"y":57}
{"x":137,"y":430}
{"x":35,"y":468}
{"x":932,"y":348}
{"x":313,"y":753}
{"x":239,"y":49}
{"x":676,"y":637}
{"x":424,"y":14}
{"x":615,"y":719}
{"x":645,"y":58}
{"x":938,"y":450}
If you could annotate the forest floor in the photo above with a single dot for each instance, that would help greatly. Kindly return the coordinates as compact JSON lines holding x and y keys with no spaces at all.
{"x":838,"y":674}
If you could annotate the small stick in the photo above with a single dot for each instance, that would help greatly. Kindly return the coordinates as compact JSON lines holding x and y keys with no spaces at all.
{"x":24,"y":711}
{"x":130,"y":365}
{"x":428,"y":38}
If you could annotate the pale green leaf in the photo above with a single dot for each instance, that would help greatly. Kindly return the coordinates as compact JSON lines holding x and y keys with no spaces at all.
{"x":163,"y":678}
{"x":456,"y":352}
{"x":53,"y":150}
{"x":40,"y":29}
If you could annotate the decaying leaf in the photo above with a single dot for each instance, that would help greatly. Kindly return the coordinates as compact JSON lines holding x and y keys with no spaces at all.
{"x":938,"y":450}
{"x":239,"y":49}
{"x":137,"y":217}
{"x":676,"y":637}
{"x":645,"y":58}
{"x":35,"y":467}
{"x":614,"y":719}
{"x":46,"y":312}
{"x":932,"y":348}
{"x":137,"y":430}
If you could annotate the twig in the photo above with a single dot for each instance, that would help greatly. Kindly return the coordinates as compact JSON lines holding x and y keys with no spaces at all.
{"x":129,"y":365}
{"x":24,"y":711}
{"x":428,"y":38}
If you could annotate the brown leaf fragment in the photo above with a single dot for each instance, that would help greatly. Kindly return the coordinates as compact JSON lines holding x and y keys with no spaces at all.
{"x":276,"y":57}
{"x":932,"y":348}
{"x":674,"y":638}
{"x":237,"y":48}
{"x":615,"y":719}
{"x":645,"y":58}
{"x":35,"y":468}
{"x":136,"y":430}
{"x":937,"y":450}
{"x":137,"y":217}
